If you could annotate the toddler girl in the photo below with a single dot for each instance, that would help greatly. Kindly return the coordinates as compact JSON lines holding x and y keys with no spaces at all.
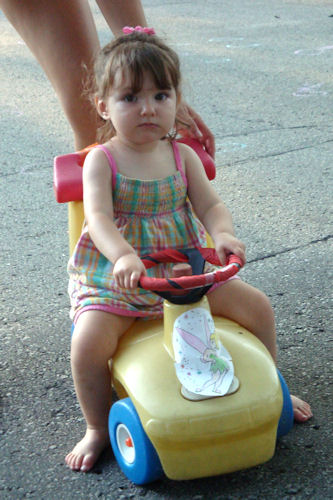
{"x":139,"y":190}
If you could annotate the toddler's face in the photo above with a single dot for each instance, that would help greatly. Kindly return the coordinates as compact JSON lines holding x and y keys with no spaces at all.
{"x":140,"y":117}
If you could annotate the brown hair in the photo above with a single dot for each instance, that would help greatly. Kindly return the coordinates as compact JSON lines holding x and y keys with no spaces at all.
{"x":136,"y":54}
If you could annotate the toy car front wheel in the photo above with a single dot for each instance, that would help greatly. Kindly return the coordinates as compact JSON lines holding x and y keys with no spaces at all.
{"x":287,"y":414}
{"x":132,"y":448}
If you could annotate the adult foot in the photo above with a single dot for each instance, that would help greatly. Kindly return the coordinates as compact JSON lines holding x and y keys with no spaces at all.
{"x":85,"y":454}
{"x":302,"y":410}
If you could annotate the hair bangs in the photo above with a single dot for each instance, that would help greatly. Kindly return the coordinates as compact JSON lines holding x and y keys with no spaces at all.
{"x":147,"y":59}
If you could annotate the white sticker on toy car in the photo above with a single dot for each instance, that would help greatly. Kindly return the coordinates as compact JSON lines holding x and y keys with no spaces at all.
{"x":203,"y":365}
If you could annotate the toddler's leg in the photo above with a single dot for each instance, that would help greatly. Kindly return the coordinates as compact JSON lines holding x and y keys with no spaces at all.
{"x":247,"y":306}
{"x":94,"y":342}
{"x":252,"y":309}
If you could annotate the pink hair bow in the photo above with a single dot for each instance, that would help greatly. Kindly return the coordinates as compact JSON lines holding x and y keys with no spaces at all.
{"x":128,"y":30}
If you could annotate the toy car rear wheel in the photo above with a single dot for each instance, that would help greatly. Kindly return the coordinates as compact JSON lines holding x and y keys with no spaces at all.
{"x":132,"y":448}
{"x":287,"y":414}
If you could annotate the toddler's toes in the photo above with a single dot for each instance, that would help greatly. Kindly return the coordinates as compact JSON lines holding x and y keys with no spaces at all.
{"x":302,"y":410}
{"x":86,"y":453}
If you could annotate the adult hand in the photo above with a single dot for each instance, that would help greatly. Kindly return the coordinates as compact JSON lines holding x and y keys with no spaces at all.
{"x":192,"y":125}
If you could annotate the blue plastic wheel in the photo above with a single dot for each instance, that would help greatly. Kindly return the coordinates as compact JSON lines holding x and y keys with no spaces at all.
{"x":132,"y":448}
{"x":287,"y":415}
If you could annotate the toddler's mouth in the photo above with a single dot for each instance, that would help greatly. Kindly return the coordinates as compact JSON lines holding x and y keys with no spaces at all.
{"x":148,"y":125}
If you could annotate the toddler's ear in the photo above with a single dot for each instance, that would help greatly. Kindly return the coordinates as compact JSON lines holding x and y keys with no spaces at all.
{"x":101,"y":108}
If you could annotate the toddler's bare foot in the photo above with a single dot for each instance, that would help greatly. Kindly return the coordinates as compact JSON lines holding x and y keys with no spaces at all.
{"x":302,"y":411}
{"x":85,"y":454}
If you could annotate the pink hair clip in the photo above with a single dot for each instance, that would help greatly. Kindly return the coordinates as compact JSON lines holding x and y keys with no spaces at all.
{"x":128,"y":30}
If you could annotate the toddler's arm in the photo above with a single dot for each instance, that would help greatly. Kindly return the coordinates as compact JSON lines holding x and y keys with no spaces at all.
{"x":98,"y":211}
{"x":210,"y":208}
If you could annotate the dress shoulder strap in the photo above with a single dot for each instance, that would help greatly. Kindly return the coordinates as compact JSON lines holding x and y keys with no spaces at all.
{"x":178,"y":161}
{"x":112,"y":162}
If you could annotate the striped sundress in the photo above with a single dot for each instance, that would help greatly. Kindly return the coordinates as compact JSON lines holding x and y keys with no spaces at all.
{"x":151,"y":215}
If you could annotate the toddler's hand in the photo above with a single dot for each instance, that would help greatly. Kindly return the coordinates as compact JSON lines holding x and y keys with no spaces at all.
{"x":225,"y":244}
{"x":127,"y":270}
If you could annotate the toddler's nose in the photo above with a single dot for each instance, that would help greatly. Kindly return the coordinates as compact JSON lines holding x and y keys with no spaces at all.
{"x":148,"y":107}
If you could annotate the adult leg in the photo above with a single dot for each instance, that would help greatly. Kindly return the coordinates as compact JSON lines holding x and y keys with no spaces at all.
{"x":120,"y":13}
{"x":251,"y":308}
{"x":94,"y":342}
{"x":62,"y":36}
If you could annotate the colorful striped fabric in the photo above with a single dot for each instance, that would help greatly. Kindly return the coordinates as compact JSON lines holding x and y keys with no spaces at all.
{"x":152,"y":216}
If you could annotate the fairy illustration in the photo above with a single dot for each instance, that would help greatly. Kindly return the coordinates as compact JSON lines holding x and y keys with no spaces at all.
{"x":203,"y":365}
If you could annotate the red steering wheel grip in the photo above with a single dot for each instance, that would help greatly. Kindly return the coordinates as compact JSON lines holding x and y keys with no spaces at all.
{"x":188,"y":282}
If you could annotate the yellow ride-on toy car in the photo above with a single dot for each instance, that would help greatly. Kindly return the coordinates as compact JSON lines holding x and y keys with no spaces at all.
{"x":198,"y":395}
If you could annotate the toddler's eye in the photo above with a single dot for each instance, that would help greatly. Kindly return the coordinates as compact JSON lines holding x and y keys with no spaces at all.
{"x":161,"y":96}
{"x":130,"y":98}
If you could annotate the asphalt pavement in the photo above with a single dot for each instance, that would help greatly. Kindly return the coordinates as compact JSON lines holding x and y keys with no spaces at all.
{"x":260,"y":74}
